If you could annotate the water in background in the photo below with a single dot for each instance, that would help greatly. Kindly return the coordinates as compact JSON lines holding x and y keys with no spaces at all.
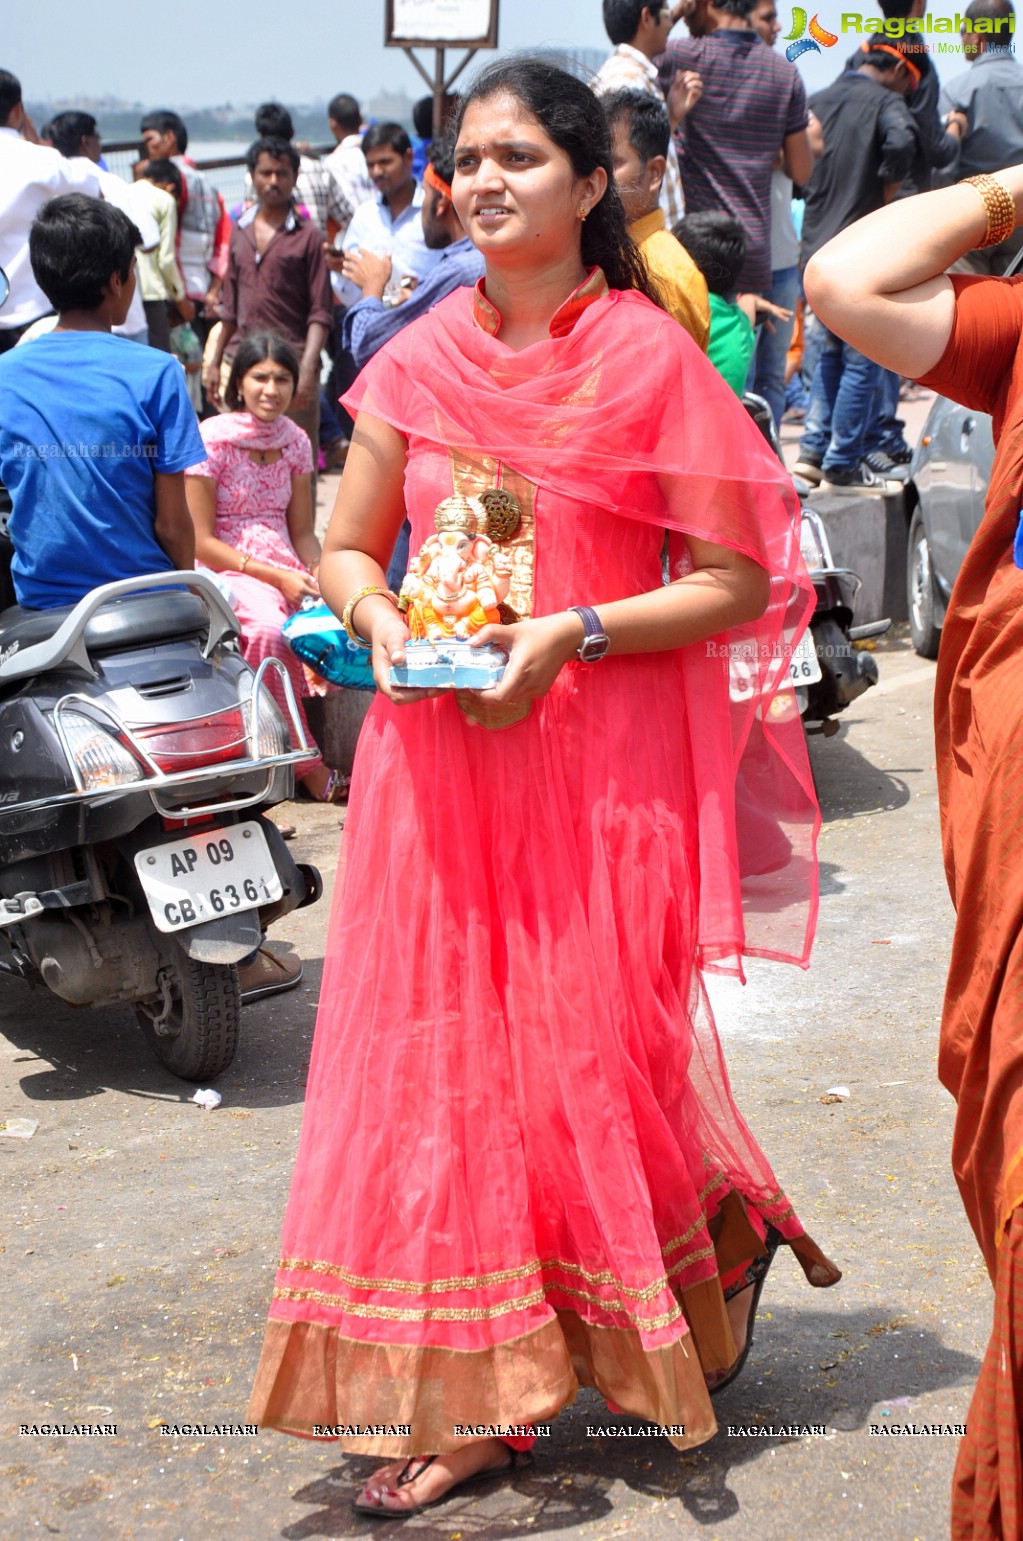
{"x":228,"y":180}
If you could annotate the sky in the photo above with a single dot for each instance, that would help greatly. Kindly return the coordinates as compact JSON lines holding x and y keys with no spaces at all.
{"x":199,"y":53}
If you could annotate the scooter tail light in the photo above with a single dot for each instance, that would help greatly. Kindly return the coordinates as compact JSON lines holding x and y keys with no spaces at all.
{"x":101,"y":759}
{"x":274,"y":737}
{"x":197,"y":743}
{"x":784,"y":706}
{"x":811,"y":547}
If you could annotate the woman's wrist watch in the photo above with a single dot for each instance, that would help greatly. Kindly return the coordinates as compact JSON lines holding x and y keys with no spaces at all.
{"x":595,"y":641}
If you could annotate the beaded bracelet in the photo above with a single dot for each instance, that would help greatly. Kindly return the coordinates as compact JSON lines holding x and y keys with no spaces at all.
{"x":999,"y":206}
{"x":349,"y":610}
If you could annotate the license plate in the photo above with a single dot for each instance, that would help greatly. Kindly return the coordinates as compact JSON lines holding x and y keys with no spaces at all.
{"x":220,"y":872}
{"x":804,"y":665}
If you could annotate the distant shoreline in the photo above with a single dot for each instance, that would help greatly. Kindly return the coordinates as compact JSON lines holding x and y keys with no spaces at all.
{"x":117,"y":124}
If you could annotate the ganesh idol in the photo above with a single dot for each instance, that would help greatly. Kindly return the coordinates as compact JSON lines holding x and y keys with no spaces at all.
{"x":454,"y":587}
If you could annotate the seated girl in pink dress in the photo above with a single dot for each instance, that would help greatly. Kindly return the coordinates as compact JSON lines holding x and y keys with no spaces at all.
{"x":251,"y":504}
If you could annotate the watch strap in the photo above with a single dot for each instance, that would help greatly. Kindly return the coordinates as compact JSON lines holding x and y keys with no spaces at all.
{"x":595,"y":641}
{"x":591,"y":620}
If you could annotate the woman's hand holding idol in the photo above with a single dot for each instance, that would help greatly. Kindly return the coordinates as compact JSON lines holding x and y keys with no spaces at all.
{"x":537,"y":652}
{"x":389,"y":635}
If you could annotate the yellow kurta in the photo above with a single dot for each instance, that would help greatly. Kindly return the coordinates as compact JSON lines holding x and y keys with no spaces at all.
{"x":680,"y":281}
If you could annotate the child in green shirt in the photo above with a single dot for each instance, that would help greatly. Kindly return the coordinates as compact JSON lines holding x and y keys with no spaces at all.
{"x":717,"y":244}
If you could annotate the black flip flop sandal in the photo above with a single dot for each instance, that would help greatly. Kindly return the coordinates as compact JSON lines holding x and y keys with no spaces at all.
{"x":519,"y":1459}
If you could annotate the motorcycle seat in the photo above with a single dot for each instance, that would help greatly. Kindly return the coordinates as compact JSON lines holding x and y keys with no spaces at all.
{"x":136,"y":620}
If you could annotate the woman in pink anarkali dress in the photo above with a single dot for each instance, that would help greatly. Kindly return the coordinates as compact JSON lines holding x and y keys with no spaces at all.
{"x":521,"y":1168}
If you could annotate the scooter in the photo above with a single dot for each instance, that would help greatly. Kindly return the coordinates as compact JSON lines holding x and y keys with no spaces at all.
{"x":137,"y":752}
{"x":825,"y":669}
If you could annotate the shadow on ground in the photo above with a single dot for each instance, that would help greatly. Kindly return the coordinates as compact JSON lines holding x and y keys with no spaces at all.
{"x":85,"y":1052}
{"x":848,"y":784}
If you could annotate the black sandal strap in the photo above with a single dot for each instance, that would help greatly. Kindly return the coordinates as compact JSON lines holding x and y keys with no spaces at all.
{"x":407,"y":1475}
{"x":758,"y":1266}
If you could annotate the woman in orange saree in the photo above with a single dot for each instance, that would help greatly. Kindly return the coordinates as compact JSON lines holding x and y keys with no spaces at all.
{"x":883,"y":286}
{"x":521,"y":1166}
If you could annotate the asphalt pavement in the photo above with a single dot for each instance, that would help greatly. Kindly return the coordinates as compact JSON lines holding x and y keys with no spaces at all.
{"x":142,"y":1234}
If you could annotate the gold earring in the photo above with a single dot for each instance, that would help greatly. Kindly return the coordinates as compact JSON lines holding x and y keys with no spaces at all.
{"x":583,"y":211}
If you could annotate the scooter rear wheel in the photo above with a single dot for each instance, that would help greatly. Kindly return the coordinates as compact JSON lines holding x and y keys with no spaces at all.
{"x":200,"y":1036}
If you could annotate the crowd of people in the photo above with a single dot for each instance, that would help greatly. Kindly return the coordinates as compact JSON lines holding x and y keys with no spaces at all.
{"x":357,"y":247}
{"x":551,"y":1184}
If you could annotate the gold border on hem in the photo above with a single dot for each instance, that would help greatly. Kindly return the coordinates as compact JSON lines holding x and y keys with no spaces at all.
{"x":359,"y":1308}
{"x":311,"y":1376}
{"x":732,"y":1239}
{"x":504,"y":1275}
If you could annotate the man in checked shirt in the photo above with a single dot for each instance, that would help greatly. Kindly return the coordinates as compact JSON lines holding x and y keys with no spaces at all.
{"x":640,"y":34}
{"x":204,"y":229}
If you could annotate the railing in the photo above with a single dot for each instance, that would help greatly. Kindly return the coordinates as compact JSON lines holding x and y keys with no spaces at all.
{"x":227,"y":172}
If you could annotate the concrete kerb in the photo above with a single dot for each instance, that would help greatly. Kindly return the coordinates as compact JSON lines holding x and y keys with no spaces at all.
{"x":870,"y":536}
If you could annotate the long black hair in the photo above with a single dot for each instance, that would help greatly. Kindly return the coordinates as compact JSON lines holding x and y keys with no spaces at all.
{"x":573,"y":119}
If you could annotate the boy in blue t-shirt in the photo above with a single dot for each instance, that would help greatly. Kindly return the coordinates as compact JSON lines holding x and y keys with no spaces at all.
{"x":95,"y":431}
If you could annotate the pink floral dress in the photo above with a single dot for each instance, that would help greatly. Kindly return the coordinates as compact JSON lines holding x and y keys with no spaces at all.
{"x":252,"y":516}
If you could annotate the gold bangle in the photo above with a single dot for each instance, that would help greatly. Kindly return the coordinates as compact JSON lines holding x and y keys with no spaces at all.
{"x":349,"y":610}
{"x":244,"y":561}
{"x":999,"y":206}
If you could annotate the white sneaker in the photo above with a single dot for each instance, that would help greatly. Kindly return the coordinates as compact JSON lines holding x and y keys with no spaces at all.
{"x":862,"y":482}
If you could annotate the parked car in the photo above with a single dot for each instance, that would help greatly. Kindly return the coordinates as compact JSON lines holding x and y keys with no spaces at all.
{"x":948,"y":482}
{"x":945,"y":495}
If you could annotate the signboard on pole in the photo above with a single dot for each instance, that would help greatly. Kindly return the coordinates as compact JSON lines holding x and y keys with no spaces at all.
{"x":441,"y":24}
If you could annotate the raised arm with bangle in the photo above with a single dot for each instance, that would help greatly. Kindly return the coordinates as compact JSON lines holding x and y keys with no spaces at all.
{"x":883,"y":283}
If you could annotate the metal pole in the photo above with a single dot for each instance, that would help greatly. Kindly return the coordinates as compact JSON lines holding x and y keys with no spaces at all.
{"x":410,"y":55}
{"x":438,"y":91}
{"x":439,"y":87}
{"x":470,"y":54}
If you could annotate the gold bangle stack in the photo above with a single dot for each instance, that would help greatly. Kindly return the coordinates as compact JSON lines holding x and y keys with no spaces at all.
{"x":349,"y":610}
{"x":999,"y":206}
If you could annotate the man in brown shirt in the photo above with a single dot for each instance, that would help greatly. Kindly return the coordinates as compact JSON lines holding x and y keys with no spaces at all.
{"x":277,"y":280}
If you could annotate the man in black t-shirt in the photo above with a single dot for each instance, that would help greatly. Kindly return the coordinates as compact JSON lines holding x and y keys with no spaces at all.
{"x":869,"y":142}
{"x":935,"y":156}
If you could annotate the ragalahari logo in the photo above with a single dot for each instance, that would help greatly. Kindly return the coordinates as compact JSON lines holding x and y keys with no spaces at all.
{"x":819,"y":36}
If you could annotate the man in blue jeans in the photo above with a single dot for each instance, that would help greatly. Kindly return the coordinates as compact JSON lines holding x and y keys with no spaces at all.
{"x":937,"y":149}
{"x":767,"y":376}
{"x":869,"y":142}
{"x":843,"y":397}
